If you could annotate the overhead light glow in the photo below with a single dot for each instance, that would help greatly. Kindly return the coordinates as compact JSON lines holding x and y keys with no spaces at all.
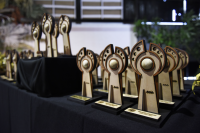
{"x":184,"y":6}
{"x":179,"y":14}
{"x":164,"y":0}
{"x":173,"y":15}
{"x":166,"y":23}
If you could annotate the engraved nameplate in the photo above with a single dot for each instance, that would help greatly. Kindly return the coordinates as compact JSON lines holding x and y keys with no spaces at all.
{"x":174,"y":81}
{"x":165,"y":85}
{"x":111,"y":105}
{"x":166,"y":102}
{"x":80,"y":98}
{"x":101,"y":90}
{"x":149,"y":92}
{"x":131,"y":96}
{"x":143,"y":113}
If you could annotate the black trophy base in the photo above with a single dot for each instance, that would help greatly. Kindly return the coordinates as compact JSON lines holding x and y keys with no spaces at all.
{"x":152,"y":122}
{"x":177,"y":102}
{"x":111,"y":110}
{"x":164,"y":110}
{"x":93,"y":99}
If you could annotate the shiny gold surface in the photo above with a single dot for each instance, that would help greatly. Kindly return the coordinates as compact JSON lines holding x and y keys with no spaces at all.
{"x":108,"y":104}
{"x":114,"y":64}
{"x":166,"y":102}
{"x":80,"y":97}
{"x":143,"y":113}
{"x":147,"y":64}
{"x":86,"y":64}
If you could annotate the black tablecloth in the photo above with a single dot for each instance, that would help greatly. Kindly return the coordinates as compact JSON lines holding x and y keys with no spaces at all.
{"x":25,"y":112}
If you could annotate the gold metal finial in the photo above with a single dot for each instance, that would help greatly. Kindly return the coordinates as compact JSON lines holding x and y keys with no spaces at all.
{"x":86,"y":64}
{"x":147,"y":64}
{"x":114,"y":64}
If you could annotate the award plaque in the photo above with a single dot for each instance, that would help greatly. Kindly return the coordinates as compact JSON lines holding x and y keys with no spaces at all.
{"x":54,"y":41}
{"x":115,"y":63}
{"x":47,"y":28}
{"x":86,"y":62}
{"x":178,"y":64}
{"x":185,"y":58}
{"x":36,"y":31}
{"x":131,"y":79}
{"x":64,"y":29}
{"x":95,"y":72}
{"x":164,"y":85}
{"x":15,"y":58}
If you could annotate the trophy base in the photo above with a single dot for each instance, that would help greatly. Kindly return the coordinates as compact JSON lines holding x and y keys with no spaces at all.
{"x":165,"y":110}
{"x":111,"y":107}
{"x":7,"y":79}
{"x":83,"y":100}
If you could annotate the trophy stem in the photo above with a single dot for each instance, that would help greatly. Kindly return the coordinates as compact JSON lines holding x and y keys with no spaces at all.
{"x":105,"y":81}
{"x":87,"y":85}
{"x":147,"y":95}
{"x":49,"y":46}
{"x":131,"y":82}
{"x":115,"y":90}
{"x":165,"y":91}
{"x":67,"y":48}
{"x":182,"y":80}
{"x":175,"y":83}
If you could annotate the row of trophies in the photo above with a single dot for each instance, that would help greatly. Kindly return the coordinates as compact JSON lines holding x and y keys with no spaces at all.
{"x":152,"y":76}
{"x":12,"y":57}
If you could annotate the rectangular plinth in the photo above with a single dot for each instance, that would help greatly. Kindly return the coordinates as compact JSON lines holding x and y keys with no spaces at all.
{"x":112,"y":109}
{"x":143,"y":113}
{"x":83,"y":100}
{"x":49,"y":76}
{"x":130,"y":96}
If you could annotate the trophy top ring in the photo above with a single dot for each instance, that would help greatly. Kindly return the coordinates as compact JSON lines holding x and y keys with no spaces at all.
{"x":36,"y":30}
{"x":48,"y":23}
{"x":64,"y":24}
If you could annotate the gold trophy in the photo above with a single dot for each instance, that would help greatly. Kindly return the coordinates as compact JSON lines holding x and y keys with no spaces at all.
{"x":47,"y":28}
{"x":64,"y":29}
{"x":115,"y":63}
{"x":30,"y":54}
{"x":178,"y":64}
{"x":86,"y":62}
{"x":95,"y":72}
{"x":164,"y":84}
{"x":54,"y":41}
{"x":36,"y":31}
{"x":131,"y":79}
{"x":15,"y":60}
{"x":185,"y":59}
{"x":148,"y":65}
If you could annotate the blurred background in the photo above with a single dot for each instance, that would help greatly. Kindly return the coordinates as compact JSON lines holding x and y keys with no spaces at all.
{"x":97,"y":23}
